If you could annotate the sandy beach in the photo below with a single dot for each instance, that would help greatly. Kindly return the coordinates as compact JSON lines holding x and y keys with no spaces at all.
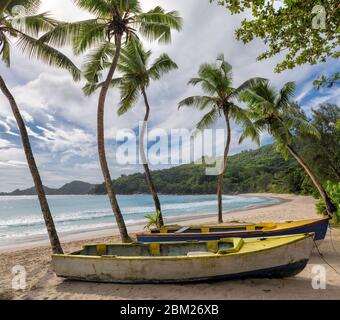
{"x":42,"y":283}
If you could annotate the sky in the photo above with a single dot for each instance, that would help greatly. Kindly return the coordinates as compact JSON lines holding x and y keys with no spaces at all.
{"x":61,"y":121}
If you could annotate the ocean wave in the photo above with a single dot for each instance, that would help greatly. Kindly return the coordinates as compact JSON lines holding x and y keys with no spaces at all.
{"x":87,"y":220}
{"x":84,"y":215}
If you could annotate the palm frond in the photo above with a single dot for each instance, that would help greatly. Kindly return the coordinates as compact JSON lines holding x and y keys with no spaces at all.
{"x":30,"y":6}
{"x":295,"y":119}
{"x":96,"y":61}
{"x":36,"y":49}
{"x":208,"y":120}
{"x":161,"y":66}
{"x":286,"y":94}
{"x":128,"y":100}
{"x":157,"y":24}
{"x":252,"y":98}
{"x":208,"y":86}
{"x":250,"y":132}
{"x":97,"y":7}
{"x":66,"y":33}
{"x":92,"y":87}
{"x":90,"y":35}
{"x":34,"y":25}
{"x":249,"y":84}
{"x":199,"y":102}
{"x":5,"y":49}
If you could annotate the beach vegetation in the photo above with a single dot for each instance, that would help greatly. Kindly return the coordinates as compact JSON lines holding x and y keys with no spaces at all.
{"x":136,"y":75}
{"x":153,"y":220}
{"x":114,"y":24}
{"x":220,"y":100}
{"x":22,"y":31}
{"x":333,"y":189}
{"x":302,"y":32}
{"x":274,"y":112}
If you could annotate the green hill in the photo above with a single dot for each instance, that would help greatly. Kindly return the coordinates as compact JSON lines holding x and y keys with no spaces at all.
{"x":72,"y":188}
{"x":261,"y":170}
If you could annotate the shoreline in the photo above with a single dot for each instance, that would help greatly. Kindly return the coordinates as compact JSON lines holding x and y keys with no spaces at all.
{"x":138,"y":227}
{"x":43,"y":284}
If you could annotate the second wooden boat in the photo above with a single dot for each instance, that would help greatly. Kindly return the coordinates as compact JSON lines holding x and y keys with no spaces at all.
{"x":265,"y":229}
{"x":274,"y":257}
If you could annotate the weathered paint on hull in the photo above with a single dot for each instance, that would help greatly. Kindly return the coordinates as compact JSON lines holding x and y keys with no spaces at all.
{"x":319,"y":228}
{"x":276,"y":262}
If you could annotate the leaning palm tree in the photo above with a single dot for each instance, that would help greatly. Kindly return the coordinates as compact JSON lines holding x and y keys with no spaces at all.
{"x":216,"y":82}
{"x":116,"y":22}
{"x":23,"y":30}
{"x":275,"y":113}
{"x":136,"y":77}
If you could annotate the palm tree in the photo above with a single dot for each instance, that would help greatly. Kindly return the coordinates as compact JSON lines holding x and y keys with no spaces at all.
{"x":24,"y":31}
{"x":116,"y":22}
{"x":136,"y":78}
{"x":216,"y":82}
{"x":275,"y":113}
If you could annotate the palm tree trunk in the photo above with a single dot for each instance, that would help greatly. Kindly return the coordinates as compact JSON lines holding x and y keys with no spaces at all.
{"x":101,"y":144}
{"x":52,"y":233}
{"x":221,"y":176}
{"x":149,"y":181}
{"x":331,"y":208}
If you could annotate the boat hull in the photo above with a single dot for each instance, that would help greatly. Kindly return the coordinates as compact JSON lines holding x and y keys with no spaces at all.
{"x":276,"y":262}
{"x":318,"y":227}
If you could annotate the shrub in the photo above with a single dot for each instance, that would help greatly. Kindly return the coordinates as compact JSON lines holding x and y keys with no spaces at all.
{"x":333,"y":190}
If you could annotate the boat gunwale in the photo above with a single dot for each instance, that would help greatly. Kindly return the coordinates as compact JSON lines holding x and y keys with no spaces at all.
{"x":299,"y":237}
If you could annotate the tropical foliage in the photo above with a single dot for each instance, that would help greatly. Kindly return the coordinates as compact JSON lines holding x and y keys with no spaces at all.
{"x":275,"y":113}
{"x":135,"y":80}
{"x":333,"y":190}
{"x":220,"y":95}
{"x":22,"y":29}
{"x":301,"y":31}
{"x":21,"y":24}
{"x":261,"y":170}
{"x":322,"y":154}
{"x":116,"y":22}
{"x":153,"y":221}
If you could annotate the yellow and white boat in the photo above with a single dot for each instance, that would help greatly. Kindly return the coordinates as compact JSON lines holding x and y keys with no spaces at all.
{"x":171,"y":262}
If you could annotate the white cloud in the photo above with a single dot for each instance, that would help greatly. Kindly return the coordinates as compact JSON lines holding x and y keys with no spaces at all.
{"x":61,"y":121}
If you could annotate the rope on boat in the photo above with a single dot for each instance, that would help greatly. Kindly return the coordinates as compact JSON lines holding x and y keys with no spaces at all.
{"x":324,"y":259}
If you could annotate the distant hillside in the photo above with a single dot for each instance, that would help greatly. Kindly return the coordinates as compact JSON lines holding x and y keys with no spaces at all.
{"x":261,"y":170}
{"x":72,"y":188}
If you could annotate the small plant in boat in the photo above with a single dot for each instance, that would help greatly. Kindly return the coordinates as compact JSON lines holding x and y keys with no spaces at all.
{"x":153,"y":220}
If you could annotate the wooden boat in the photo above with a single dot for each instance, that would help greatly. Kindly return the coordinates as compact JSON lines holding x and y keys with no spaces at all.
{"x":274,"y":257}
{"x":179,"y":233}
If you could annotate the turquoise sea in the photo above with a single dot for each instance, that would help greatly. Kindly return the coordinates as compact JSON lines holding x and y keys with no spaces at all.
{"x":21,"y":220}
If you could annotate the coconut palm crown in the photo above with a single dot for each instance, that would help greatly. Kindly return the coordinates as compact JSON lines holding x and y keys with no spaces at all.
{"x":20,"y":25}
{"x":220,"y":97}
{"x":114,"y":24}
{"x":275,"y":112}
{"x":136,"y":77}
